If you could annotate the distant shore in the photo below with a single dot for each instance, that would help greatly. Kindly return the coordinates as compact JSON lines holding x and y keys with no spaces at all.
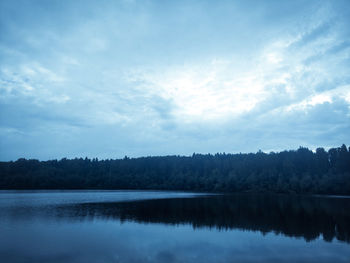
{"x":299,"y":171}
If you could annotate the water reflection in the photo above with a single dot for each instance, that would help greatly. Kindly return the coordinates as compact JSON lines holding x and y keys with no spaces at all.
{"x":192,"y":229}
{"x":293,"y":216}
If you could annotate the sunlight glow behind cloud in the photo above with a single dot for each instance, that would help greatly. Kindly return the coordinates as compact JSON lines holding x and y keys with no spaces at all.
{"x":112,"y":78}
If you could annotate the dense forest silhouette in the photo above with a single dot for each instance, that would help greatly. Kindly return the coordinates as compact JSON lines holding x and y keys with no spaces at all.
{"x":294,"y":171}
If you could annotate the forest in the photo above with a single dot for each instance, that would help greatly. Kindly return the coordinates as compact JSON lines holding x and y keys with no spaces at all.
{"x":300,"y":171}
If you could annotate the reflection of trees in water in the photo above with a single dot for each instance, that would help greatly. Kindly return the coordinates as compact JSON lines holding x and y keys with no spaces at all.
{"x":294,"y":216}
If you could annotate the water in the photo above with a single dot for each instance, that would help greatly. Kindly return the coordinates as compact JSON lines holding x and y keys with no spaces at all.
{"x":142,"y":226}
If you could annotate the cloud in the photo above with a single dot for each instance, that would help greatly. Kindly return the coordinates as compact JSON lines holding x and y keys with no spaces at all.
{"x":111,"y":78}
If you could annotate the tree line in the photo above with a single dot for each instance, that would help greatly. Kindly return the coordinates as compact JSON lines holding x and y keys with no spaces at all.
{"x":299,"y":171}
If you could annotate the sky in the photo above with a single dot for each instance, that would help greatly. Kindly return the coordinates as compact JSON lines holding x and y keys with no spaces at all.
{"x":107,"y":79}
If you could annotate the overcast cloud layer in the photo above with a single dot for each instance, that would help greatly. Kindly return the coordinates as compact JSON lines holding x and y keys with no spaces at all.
{"x":112,"y":78}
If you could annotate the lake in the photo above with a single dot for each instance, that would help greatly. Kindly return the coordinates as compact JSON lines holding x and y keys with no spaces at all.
{"x":151,"y":226}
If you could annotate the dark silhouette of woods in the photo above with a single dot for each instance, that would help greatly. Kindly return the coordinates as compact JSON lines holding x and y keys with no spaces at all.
{"x":300,"y":171}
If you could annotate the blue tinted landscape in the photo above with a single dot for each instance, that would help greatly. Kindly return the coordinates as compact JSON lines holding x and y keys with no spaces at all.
{"x":174,"y":131}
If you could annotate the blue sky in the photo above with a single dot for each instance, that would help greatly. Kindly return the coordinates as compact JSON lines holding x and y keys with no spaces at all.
{"x":112,"y":78}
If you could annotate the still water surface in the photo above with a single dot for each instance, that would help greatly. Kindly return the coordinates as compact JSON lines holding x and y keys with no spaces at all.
{"x":143,"y":226}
